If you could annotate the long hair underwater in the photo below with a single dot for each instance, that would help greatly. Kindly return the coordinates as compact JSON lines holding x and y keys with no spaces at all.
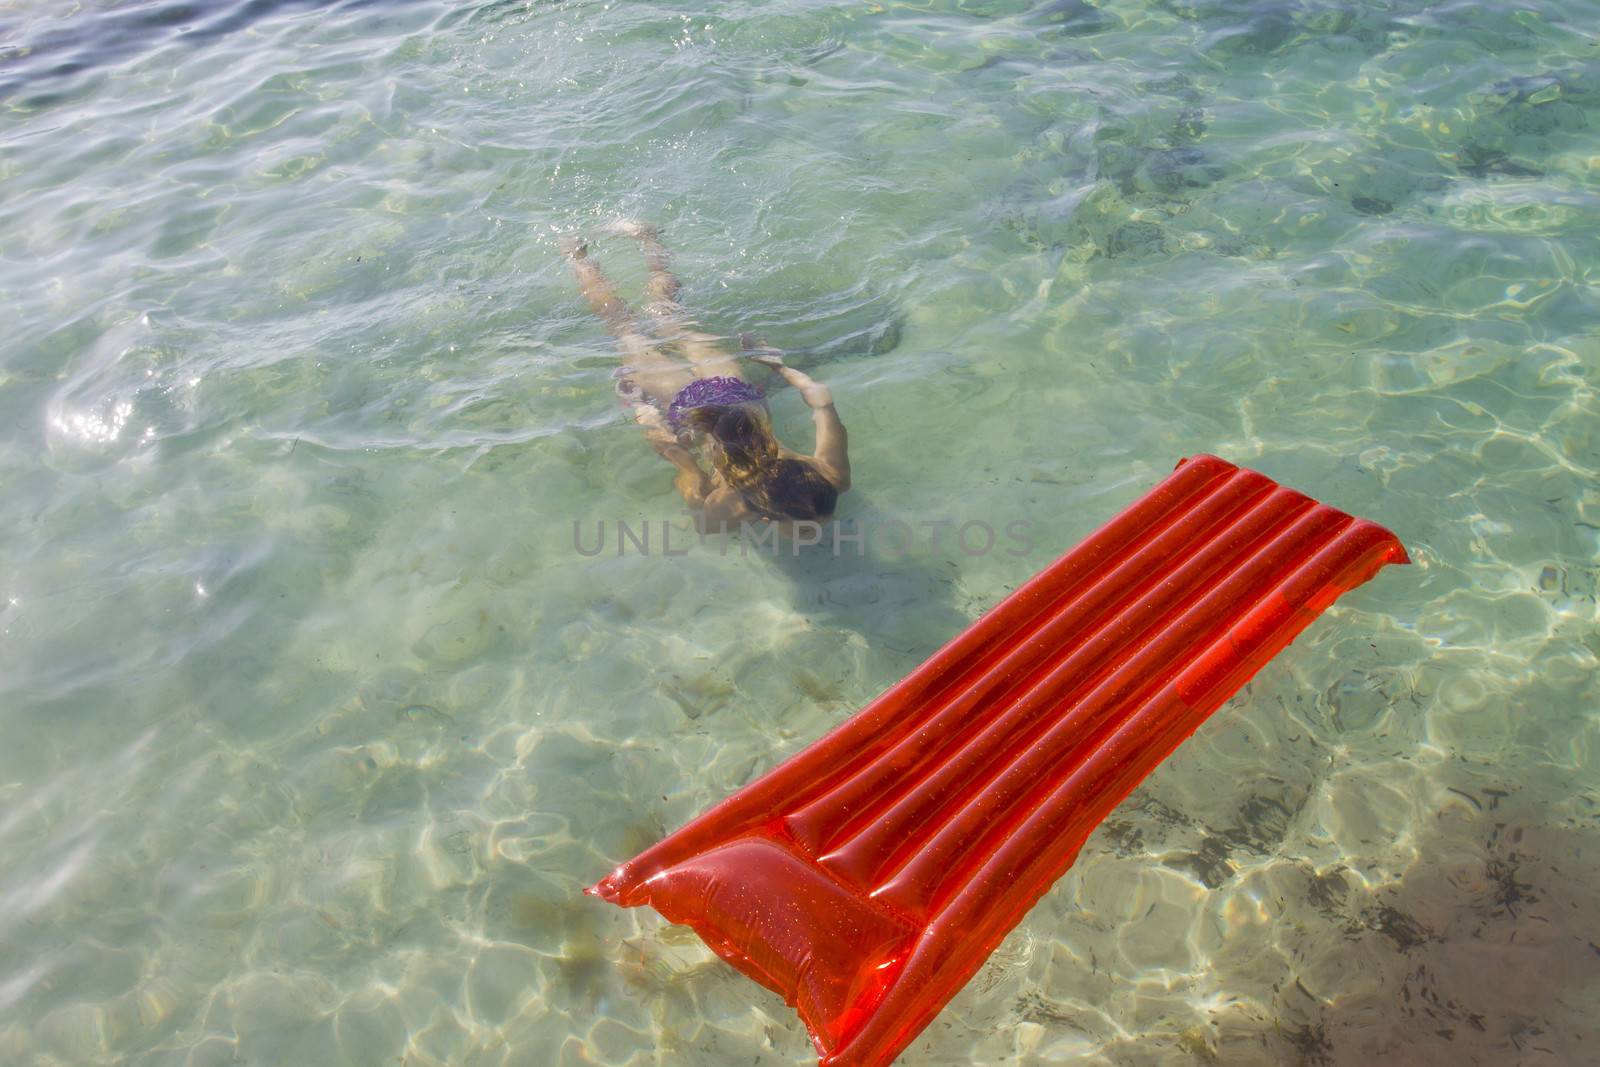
{"x":749,"y":459}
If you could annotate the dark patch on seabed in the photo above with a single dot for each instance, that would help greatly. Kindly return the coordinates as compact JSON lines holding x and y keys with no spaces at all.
{"x":54,"y":50}
{"x":1537,"y":113}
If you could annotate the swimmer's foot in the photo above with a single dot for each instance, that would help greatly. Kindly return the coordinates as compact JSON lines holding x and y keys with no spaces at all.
{"x":574,"y":247}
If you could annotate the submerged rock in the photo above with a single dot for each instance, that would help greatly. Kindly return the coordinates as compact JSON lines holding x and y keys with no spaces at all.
{"x":1136,"y":239}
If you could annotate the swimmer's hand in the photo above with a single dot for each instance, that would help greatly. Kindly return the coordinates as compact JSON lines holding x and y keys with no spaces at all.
{"x":691,"y":485}
{"x":756,"y":350}
{"x":816,"y":394}
{"x":648,"y":416}
{"x":691,"y":480}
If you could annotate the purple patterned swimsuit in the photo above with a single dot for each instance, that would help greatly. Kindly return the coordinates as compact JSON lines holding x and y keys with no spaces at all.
{"x":712,"y":392}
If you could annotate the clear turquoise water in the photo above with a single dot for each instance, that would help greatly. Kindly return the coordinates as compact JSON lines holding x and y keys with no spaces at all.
{"x":313,"y":724}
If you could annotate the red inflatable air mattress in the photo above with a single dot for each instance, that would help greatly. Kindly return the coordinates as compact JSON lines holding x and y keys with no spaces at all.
{"x":868,"y":877}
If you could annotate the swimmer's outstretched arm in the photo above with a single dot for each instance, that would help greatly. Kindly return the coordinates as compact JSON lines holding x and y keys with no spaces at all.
{"x":833,"y":443}
{"x":692,"y":483}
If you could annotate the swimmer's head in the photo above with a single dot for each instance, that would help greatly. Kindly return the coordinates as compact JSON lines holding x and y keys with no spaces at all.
{"x":747,"y":455}
{"x":797,"y":490}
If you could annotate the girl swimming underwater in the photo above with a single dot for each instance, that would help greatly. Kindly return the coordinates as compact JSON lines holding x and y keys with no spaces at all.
{"x":702,"y":416}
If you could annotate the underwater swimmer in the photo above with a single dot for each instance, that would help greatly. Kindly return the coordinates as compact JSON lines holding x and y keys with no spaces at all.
{"x":702,"y":416}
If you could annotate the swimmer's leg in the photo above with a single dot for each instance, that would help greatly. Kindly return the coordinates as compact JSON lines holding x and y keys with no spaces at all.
{"x":703,"y":350}
{"x":657,"y":376}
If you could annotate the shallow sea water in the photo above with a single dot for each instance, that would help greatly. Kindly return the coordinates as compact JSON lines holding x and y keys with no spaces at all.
{"x":314,"y":723}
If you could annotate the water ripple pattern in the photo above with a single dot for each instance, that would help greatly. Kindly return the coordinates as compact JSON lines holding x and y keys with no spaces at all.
{"x":313,"y":721}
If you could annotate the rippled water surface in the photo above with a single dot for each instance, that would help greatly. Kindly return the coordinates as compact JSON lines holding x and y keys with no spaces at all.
{"x":313,"y":723}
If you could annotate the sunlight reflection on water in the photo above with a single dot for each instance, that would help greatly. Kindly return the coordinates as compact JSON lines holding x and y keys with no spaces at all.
{"x":316,"y":724}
